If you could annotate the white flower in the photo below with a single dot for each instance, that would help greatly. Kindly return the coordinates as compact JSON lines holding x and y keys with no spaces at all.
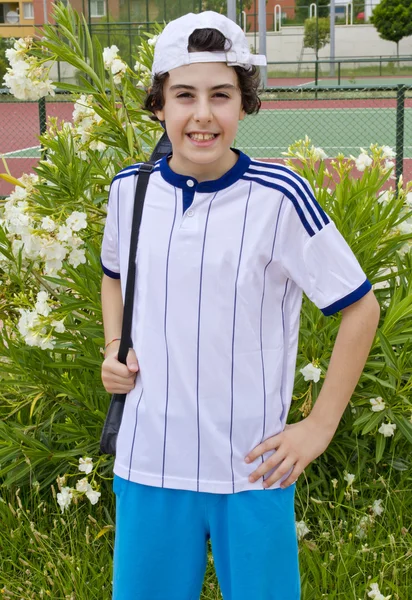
{"x":386,"y":197}
{"x":16,"y":246}
{"x":377,"y":508}
{"x":118,"y":67}
{"x":350,"y":478}
{"x":48,"y":224}
{"x":27,"y":78}
{"x":404,"y":228}
{"x":377,"y":404}
{"x":86,"y":465}
{"x":51,"y":267}
{"x":28,"y":321}
{"x":64,"y":498}
{"x":64,"y":233}
{"x":301,"y":529}
{"x":93,"y":496}
{"x":46,"y":343}
{"x":388,"y":152}
{"x":83,"y":485}
{"x":152,"y":41}
{"x":77,"y":220}
{"x":52,"y":250}
{"x":408,"y":199}
{"x":76,"y":257}
{"x":362,"y":527}
{"x":389,"y":164}
{"x":32,"y":245}
{"x":376,"y":594}
{"x":387,"y":429}
{"x":41,"y":305}
{"x":319,"y":153}
{"x":140,"y":66}
{"x":109,"y":55}
{"x":363,"y":161}
{"x":74,"y":241}
{"x":58,"y":326}
{"x":311,"y":373}
{"x":97,"y":145}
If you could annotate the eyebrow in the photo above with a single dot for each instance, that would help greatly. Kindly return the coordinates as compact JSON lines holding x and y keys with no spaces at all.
{"x":225,"y":86}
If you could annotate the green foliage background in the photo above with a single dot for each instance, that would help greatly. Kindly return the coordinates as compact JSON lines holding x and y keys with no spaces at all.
{"x":52,"y":402}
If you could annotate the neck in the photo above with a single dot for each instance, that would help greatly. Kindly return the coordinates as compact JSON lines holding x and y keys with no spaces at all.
{"x":199,"y":173}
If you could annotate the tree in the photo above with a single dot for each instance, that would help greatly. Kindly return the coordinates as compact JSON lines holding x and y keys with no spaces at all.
{"x":393,"y":20}
{"x":319,"y":40}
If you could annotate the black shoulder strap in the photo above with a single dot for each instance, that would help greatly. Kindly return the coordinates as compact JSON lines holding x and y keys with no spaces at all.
{"x":140,"y":192}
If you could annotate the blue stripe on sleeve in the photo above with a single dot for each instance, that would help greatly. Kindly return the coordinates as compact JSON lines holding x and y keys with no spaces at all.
{"x":109,"y":273}
{"x":275,"y":167}
{"x":351,"y":298}
{"x":295,"y":186}
{"x":289,"y":195}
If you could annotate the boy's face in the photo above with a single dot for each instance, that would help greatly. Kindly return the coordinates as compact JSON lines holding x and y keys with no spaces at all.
{"x":202,"y":98}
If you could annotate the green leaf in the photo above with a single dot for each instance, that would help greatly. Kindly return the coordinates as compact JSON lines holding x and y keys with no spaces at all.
{"x":403,"y":425}
{"x":374,"y":421}
{"x":380,"y":447}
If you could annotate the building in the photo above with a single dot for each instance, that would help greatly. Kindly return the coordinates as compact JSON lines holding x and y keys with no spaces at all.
{"x":284,"y":8}
{"x":16,"y":18}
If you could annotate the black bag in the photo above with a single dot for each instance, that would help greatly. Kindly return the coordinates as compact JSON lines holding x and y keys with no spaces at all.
{"x":114,"y":415}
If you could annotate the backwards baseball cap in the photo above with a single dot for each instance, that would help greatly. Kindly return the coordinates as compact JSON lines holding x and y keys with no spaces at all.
{"x":171,"y":50}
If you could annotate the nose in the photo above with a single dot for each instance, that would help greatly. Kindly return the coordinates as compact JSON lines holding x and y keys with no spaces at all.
{"x":203,"y":110}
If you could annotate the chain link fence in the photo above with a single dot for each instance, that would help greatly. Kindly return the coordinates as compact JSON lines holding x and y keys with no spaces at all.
{"x":339,"y":120}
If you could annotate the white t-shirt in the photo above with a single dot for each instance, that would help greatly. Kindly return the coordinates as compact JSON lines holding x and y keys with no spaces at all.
{"x":216,"y":315}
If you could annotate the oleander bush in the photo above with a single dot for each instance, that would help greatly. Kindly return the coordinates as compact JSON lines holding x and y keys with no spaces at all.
{"x":52,"y":401}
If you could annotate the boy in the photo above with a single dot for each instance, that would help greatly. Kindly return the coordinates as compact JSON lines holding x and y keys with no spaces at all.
{"x":226,"y":246}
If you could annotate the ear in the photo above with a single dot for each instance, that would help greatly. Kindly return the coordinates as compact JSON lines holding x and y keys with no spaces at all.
{"x":160,"y":114}
{"x":242,"y":114}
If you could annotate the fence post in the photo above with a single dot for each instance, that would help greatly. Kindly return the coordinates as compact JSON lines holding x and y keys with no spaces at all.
{"x":42,"y":115}
{"x":400,"y":130}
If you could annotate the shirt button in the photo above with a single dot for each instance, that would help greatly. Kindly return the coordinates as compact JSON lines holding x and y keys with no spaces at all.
{"x":190,"y":183}
{"x":190,"y":213}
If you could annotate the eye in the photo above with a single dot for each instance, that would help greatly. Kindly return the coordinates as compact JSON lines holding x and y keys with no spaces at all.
{"x":221,"y":95}
{"x":185,"y":95}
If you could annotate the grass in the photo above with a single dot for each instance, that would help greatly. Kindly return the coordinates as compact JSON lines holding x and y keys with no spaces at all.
{"x":44,"y":554}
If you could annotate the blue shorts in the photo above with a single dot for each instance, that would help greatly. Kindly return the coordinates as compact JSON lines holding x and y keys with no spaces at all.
{"x":161,"y":543}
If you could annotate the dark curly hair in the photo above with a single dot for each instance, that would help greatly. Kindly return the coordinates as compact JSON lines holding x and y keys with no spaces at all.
{"x":210,"y":40}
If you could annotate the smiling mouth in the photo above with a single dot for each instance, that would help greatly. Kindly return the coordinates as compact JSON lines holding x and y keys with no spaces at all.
{"x":202,"y":137}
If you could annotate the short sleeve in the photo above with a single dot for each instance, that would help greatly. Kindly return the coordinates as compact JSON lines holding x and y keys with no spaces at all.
{"x":315,"y":255}
{"x":109,"y":257}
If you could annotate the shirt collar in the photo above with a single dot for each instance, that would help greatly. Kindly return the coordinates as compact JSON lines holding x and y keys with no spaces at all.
{"x":213,"y":185}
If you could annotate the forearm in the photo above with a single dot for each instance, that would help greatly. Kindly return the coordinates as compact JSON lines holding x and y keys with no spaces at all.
{"x":350,"y":352}
{"x":112,"y":308}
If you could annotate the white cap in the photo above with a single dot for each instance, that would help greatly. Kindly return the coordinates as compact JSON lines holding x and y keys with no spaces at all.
{"x":171,"y":47}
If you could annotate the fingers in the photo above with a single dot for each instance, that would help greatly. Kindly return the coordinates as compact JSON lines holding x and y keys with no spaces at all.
{"x":294,"y":472}
{"x":118,"y":378}
{"x":131,"y":361}
{"x":270,"y":444}
{"x":269,"y":464}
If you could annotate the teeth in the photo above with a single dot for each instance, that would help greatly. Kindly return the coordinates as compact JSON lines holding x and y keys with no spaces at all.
{"x":202,"y":136}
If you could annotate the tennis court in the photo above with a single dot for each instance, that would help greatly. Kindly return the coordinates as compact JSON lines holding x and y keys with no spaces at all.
{"x":337,"y":125}
{"x":336,"y":130}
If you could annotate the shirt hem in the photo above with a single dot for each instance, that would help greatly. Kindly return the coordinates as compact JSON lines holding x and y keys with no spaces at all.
{"x":213,"y":487}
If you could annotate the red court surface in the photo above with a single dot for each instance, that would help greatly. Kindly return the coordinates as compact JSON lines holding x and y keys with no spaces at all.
{"x":20,"y":126}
